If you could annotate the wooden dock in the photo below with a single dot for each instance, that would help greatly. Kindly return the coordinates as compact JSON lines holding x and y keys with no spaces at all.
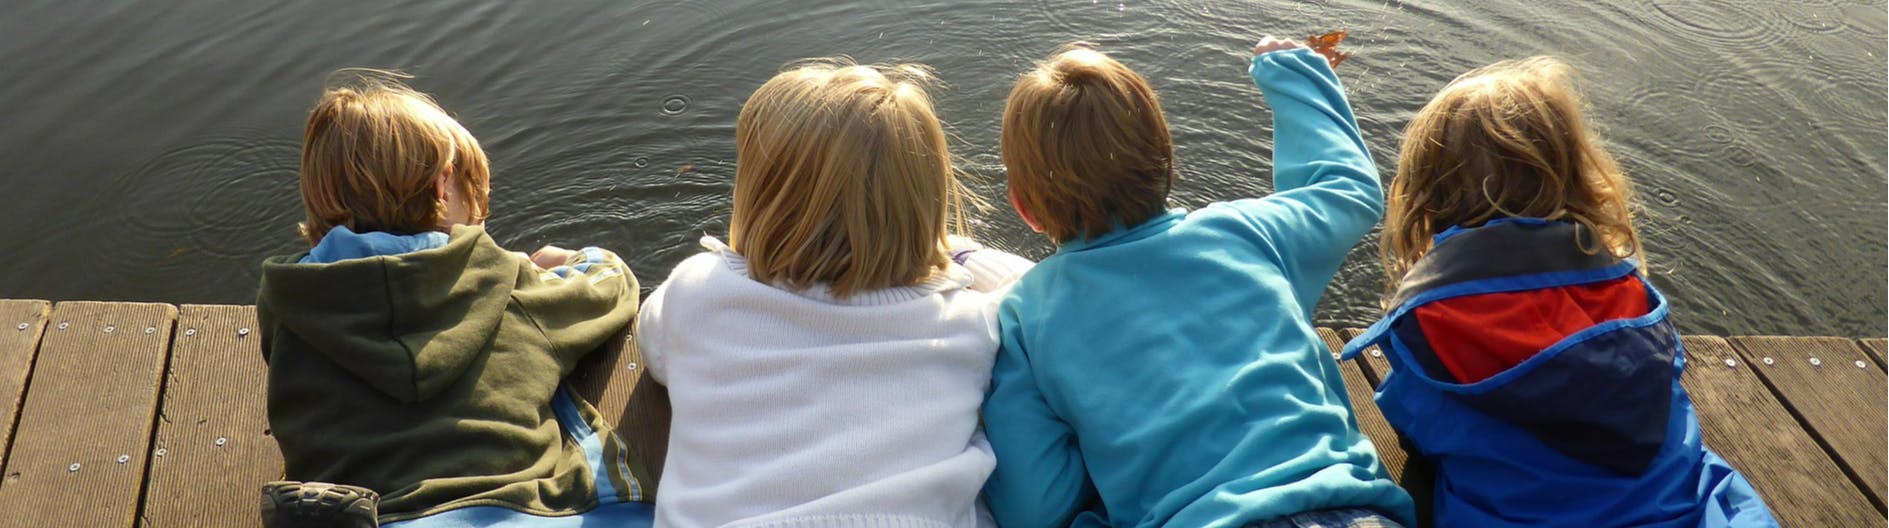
{"x":135,"y":414}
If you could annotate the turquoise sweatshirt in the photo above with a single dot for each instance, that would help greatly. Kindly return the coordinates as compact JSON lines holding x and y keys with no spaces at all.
{"x":1167,"y":374}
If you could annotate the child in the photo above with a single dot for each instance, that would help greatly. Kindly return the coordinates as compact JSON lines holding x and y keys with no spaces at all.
{"x":1161,"y":368}
{"x":826,"y":364}
{"x":410,"y":356}
{"x":1535,"y":368}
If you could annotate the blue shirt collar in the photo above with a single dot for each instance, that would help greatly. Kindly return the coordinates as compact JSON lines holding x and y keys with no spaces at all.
{"x":1122,"y":234}
{"x":342,"y":243}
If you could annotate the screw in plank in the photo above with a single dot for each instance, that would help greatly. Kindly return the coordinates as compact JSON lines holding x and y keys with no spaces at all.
{"x":22,"y":327}
{"x":190,"y":332}
{"x":161,"y":451}
{"x":242,"y":331}
{"x":1861,"y":364}
{"x":109,"y":328}
{"x":1768,"y":361}
{"x":632,"y":365}
{"x":222,"y":440}
{"x":74,"y":468}
{"x":149,"y":330}
{"x":1377,"y":353}
{"x":124,"y":458}
{"x":1730,"y":363}
{"x":62,"y":325}
{"x":1816,"y":362}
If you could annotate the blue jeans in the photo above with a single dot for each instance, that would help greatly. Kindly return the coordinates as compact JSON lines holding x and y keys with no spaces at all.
{"x":1341,"y":518}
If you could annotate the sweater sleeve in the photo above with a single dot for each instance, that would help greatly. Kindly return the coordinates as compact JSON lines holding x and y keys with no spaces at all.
{"x":581,"y":305}
{"x":992,"y":270}
{"x":1326,"y":194}
{"x":1040,"y":479}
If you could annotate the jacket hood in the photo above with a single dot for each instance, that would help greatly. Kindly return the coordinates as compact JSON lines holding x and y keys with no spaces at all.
{"x":406,"y":324}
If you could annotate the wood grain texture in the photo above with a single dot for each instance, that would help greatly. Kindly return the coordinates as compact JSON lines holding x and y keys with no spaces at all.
{"x":1400,"y":458}
{"x":22,"y":322}
{"x":1876,"y":346}
{"x":1744,"y":422}
{"x":85,"y":428}
{"x":213,"y":450}
{"x":615,"y":380}
{"x":1836,"y":394}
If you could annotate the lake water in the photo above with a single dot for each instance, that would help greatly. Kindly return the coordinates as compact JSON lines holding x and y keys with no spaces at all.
{"x":149,"y":148}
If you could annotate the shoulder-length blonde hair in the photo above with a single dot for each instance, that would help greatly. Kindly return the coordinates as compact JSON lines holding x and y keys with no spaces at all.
{"x":371,"y":152}
{"x":843,"y":178}
{"x":1505,"y":140}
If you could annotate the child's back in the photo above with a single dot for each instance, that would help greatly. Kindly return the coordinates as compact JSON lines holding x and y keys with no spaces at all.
{"x":1535,"y":369}
{"x":1165,"y":371}
{"x":426,"y":365}
{"x":826,"y":365}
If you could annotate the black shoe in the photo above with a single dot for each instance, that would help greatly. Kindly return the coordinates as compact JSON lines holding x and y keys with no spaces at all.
{"x":290,"y":504}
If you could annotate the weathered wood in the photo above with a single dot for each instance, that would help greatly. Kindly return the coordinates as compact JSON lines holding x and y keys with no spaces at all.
{"x":85,"y":428}
{"x":616,"y":381}
{"x":1876,"y":346}
{"x":1744,"y":423}
{"x":1399,"y":457}
{"x":213,"y":450}
{"x":24,"y":322}
{"x":1372,"y":359}
{"x":1410,"y":472}
{"x":1837,"y":394}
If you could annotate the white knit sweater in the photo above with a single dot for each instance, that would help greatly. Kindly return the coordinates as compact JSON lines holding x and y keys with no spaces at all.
{"x":796,"y":409}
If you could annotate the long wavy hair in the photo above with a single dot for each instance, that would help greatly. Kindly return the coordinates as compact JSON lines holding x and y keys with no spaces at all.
{"x":1505,"y":140}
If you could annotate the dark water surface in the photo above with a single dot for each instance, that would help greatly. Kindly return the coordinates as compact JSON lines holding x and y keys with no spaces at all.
{"x":149,"y":149}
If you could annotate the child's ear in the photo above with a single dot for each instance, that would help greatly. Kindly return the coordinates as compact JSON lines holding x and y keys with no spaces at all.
{"x":442,"y":183}
{"x":1025,"y":213}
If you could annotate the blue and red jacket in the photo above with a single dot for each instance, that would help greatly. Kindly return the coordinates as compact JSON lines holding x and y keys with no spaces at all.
{"x":1542,"y":384}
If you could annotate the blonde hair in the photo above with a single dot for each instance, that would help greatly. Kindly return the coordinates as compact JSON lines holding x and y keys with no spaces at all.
{"x":1086,"y":146}
{"x":371,"y":151}
{"x":843,"y":178}
{"x":1505,"y":140}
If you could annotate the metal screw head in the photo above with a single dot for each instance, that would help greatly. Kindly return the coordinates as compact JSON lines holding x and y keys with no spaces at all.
{"x":1730,"y":363}
{"x":72,"y":468}
{"x":109,"y":328}
{"x":222,"y":440}
{"x":1861,"y":364}
{"x":124,"y":458}
{"x":149,"y":329}
{"x":242,"y":331}
{"x":632,"y":365}
{"x":22,"y":327}
{"x":1377,"y":353}
{"x":1816,"y":362}
{"x":1768,"y":361}
{"x":62,"y":326}
{"x":161,"y":451}
{"x":190,"y":332}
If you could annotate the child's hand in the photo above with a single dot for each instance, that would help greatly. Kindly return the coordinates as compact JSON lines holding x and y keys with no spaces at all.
{"x":551,"y":256}
{"x":1268,"y":43}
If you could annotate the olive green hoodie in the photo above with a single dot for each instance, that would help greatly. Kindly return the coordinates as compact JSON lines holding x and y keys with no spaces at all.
{"x":434,"y":377}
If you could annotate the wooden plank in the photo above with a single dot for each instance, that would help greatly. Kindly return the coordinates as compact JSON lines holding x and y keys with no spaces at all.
{"x":85,"y":429}
{"x":24,"y":321}
{"x":1372,"y":359}
{"x":1399,"y":457}
{"x":1836,"y":393}
{"x":1876,"y":346}
{"x":213,"y":450}
{"x":1743,"y":422}
{"x":616,"y":382}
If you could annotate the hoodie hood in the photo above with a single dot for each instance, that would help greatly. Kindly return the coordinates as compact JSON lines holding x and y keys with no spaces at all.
{"x":406,"y":324}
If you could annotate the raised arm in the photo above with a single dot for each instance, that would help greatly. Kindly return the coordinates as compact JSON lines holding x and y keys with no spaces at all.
{"x":1326,"y":194}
